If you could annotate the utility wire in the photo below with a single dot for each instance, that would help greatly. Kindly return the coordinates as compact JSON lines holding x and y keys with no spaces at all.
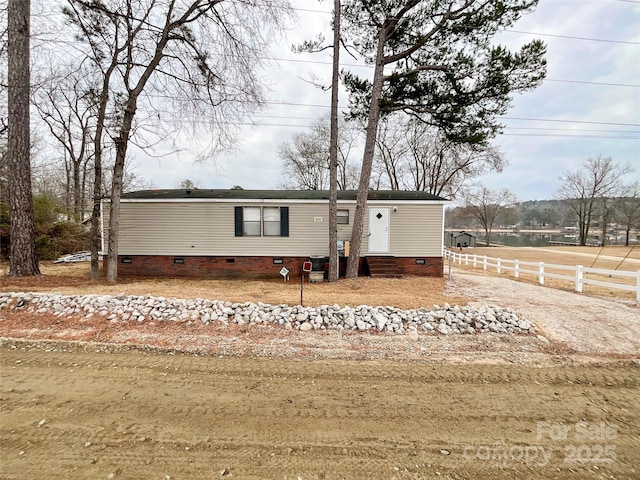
{"x":572,"y":121}
{"x":569,"y":37}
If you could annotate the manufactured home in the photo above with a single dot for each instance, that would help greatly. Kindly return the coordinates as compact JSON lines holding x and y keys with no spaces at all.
{"x":255,"y":233}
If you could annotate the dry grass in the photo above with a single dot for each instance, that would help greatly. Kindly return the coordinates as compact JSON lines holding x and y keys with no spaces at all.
{"x":410,"y":292}
{"x":608,"y":258}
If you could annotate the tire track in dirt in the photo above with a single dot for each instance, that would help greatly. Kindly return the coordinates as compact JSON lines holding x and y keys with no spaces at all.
{"x":138,"y":415}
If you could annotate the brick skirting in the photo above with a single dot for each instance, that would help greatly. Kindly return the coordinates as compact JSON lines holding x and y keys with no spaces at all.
{"x":249,"y":267}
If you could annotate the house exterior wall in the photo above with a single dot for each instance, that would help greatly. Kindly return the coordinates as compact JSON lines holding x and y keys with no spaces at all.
{"x":225,"y":267}
{"x":206,"y":228}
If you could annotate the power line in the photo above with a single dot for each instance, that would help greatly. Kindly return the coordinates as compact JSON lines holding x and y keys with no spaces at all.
{"x":593,"y":83}
{"x":568,"y":136}
{"x":572,"y":121}
{"x":321,"y":62}
{"x":274,"y":102}
{"x":588,"y":132}
{"x":573,"y":130}
{"x":569,"y":37}
{"x":547,"y":135}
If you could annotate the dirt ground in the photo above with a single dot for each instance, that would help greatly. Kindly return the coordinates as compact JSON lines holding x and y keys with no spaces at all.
{"x":97,"y":399}
{"x":90,"y":412}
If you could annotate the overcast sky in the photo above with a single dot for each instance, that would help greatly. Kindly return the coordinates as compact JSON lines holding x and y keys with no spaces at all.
{"x":588,"y":106}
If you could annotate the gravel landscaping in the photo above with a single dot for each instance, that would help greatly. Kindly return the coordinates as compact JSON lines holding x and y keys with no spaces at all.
{"x":444,"y":319}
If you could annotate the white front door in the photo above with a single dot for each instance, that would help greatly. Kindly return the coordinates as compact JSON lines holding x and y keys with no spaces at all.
{"x":379,"y":230}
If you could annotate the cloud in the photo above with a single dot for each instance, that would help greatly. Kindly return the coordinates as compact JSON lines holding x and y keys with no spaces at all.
{"x":538,"y":149}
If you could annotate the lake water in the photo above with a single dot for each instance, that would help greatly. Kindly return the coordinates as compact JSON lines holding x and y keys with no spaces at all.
{"x":527,"y":239}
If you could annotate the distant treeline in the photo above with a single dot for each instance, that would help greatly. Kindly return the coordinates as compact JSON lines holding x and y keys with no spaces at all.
{"x":532,"y":214}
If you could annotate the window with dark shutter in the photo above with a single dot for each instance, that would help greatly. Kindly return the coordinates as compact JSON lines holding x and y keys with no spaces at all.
{"x":261,"y":221}
{"x":284,"y":221}
{"x":238,"y":221}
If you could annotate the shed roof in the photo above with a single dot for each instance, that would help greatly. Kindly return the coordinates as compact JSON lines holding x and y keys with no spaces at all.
{"x":393,"y":195}
{"x":458,"y":234}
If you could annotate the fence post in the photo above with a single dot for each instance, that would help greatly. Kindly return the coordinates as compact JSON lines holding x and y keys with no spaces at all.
{"x":638,"y":288}
{"x":484,"y":266}
{"x":516,"y":268}
{"x":498,"y":269}
{"x":475,"y":258}
{"x":579,"y":278}
{"x":466,"y":259}
{"x":541,"y":273}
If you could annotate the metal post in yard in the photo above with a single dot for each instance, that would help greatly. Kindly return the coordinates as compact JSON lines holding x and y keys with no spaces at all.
{"x":449,"y":267}
{"x":516,"y":268}
{"x":301,"y":285}
{"x":498,"y":265}
{"x":579,"y":278}
{"x":484,"y":263}
{"x":541,"y":273}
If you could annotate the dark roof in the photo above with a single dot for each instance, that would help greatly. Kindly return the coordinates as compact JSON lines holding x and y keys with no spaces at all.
{"x":277,"y":194}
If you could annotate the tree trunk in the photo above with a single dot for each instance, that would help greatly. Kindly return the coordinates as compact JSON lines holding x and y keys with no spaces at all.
{"x":334,"y":265}
{"x":67,"y":187}
{"x":23,"y":260}
{"x":122,"y":142}
{"x":96,"y":212}
{"x":487,"y":236}
{"x":76,"y":192}
{"x":367,"y":159}
{"x":95,"y":236}
{"x":96,"y":224}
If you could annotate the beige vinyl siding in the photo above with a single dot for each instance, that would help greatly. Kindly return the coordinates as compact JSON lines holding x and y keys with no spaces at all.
{"x":415,"y":230}
{"x":207,"y":228}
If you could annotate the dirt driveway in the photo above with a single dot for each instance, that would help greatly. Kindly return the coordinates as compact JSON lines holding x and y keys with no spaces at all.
{"x":180,"y":401}
{"x":93,"y":413}
{"x":586,"y":324}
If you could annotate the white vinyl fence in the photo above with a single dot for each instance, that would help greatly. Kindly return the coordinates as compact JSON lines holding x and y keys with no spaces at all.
{"x":576,"y":274}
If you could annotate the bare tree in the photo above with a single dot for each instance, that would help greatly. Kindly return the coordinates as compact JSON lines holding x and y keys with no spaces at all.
{"x":334,"y":145}
{"x":188,"y":184}
{"x":391,"y":153}
{"x":333,"y":149}
{"x":412,"y":155}
{"x":23,"y":259}
{"x":201,"y":52}
{"x":587,"y":186}
{"x":66,"y":104}
{"x":629,"y":211}
{"x":485,"y":205}
{"x":305,"y":162}
{"x":306,"y":157}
